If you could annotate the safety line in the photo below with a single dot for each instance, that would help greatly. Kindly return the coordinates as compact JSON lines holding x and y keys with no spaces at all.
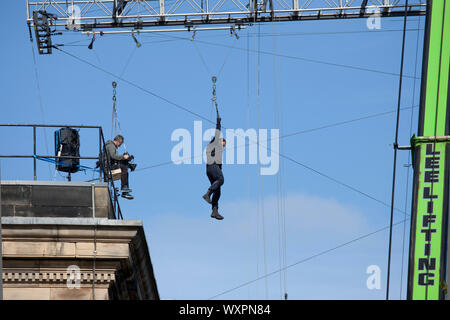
{"x":394,"y":170}
{"x":289,"y":34}
{"x":41,"y":104}
{"x":204,"y":118}
{"x":295,"y":57}
{"x":261,"y":182}
{"x":304,"y":260}
{"x":409,"y":165}
{"x":336,"y":124}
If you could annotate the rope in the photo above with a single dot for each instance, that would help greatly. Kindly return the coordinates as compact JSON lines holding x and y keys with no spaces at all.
{"x":336,"y":124}
{"x":395,"y":151}
{"x":257,"y":201}
{"x":277,"y":125}
{"x":340,"y":65}
{"x":178,"y":106}
{"x":248,"y":125}
{"x":226,"y":57}
{"x":261,"y":182}
{"x":115,"y":126}
{"x":280,"y":195}
{"x":133,"y":84}
{"x":202,"y":59}
{"x":409,"y":164}
{"x":213,"y":77}
{"x":114,"y":112}
{"x":41,"y":104}
{"x":128,"y":61}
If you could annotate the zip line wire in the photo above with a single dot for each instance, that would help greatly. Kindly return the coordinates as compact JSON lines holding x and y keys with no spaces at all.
{"x":278,"y":122}
{"x":206,"y":119}
{"x":289,"y":56}
{"x":409,"y":158}
{"x":257,"y":40}
{"x":41,"y":104}
{"x":394,"y":170}
{"x":286,"y":157}
{"x":305,"y":260}
{"x":293,"y":57}
{"x":336,"y":124}
{"x":289,"y":34}
{"x":134,"y":85}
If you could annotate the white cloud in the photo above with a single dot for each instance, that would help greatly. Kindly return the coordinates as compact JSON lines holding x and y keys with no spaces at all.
{"x":196,"y":256}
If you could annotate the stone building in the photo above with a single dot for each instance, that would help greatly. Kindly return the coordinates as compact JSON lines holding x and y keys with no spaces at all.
{"x":62,"y":241}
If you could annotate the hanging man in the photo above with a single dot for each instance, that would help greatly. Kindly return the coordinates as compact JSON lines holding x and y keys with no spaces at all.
{"x":119,"y":161}
{"x":214,"y":152}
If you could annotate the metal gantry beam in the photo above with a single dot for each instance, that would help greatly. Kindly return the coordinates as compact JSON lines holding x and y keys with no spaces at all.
{"x":87,"y":15}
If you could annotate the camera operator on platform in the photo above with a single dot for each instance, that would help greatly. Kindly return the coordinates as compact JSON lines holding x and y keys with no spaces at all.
{"x":119,"y":161}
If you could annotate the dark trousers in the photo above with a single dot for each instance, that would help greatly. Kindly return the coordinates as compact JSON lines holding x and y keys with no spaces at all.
{"x":215,"y":176}
{"x":123,"y":175}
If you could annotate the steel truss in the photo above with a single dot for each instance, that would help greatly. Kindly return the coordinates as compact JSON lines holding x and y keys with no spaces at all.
{"x":87,"y":15}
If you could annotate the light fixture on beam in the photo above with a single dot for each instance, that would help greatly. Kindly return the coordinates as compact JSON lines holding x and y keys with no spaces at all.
{"x":158,"y":30}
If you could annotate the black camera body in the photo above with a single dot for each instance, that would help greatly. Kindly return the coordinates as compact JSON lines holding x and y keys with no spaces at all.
{"x":128,"y":161}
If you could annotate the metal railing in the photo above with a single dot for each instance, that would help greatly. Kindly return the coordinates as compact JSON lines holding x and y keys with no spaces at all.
{"x":107,"y":176}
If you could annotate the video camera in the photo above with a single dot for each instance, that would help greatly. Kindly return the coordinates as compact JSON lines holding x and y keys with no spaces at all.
{"x":128,"y":161}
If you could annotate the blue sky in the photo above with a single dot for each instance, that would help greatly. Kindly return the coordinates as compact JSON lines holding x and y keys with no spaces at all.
{"x":194,"y":256}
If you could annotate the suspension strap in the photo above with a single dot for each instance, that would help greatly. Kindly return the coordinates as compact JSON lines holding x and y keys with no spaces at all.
{"x":114,"y":111}
{"x":115,"y":127}
{"x":214,"y":98}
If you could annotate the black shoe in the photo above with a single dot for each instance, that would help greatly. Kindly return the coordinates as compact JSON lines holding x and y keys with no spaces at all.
{"x":207,"y":196}
{"x":125,"y":190}
{"x":215,"y":214}
{"x":128,"y":196}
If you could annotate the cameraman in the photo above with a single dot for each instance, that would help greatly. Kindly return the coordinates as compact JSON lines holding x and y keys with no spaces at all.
{"x":118,"y":161}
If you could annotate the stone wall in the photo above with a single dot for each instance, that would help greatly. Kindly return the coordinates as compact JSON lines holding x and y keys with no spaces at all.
{"x":111,"y":259}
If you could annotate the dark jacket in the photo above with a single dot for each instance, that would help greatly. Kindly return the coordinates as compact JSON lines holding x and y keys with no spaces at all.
{"x":215,"y":145}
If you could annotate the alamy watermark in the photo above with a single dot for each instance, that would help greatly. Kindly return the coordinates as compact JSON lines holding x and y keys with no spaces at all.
{"x":74,"y":13}
{"x":74,"y":278}
{"x":374,"y":20}
{"x":242,"y":147}
{"x":374,"y":280}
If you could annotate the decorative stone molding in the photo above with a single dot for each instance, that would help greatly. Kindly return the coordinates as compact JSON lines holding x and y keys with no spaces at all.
{"x":37,"y":253}
{"x":51,"y":277}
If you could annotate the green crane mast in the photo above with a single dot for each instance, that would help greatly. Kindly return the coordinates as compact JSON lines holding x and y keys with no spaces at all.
{"x":428,"y":256}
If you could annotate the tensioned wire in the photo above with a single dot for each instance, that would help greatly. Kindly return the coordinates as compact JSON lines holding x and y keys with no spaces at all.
{"x":304,"y":260}
{"x":206,"y":119}
{"x":60,"y":49}
{"x":396,"y":149}
{"x":260,"y":179}
{"x":409,"y":164}
{"x":316,"y":61}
